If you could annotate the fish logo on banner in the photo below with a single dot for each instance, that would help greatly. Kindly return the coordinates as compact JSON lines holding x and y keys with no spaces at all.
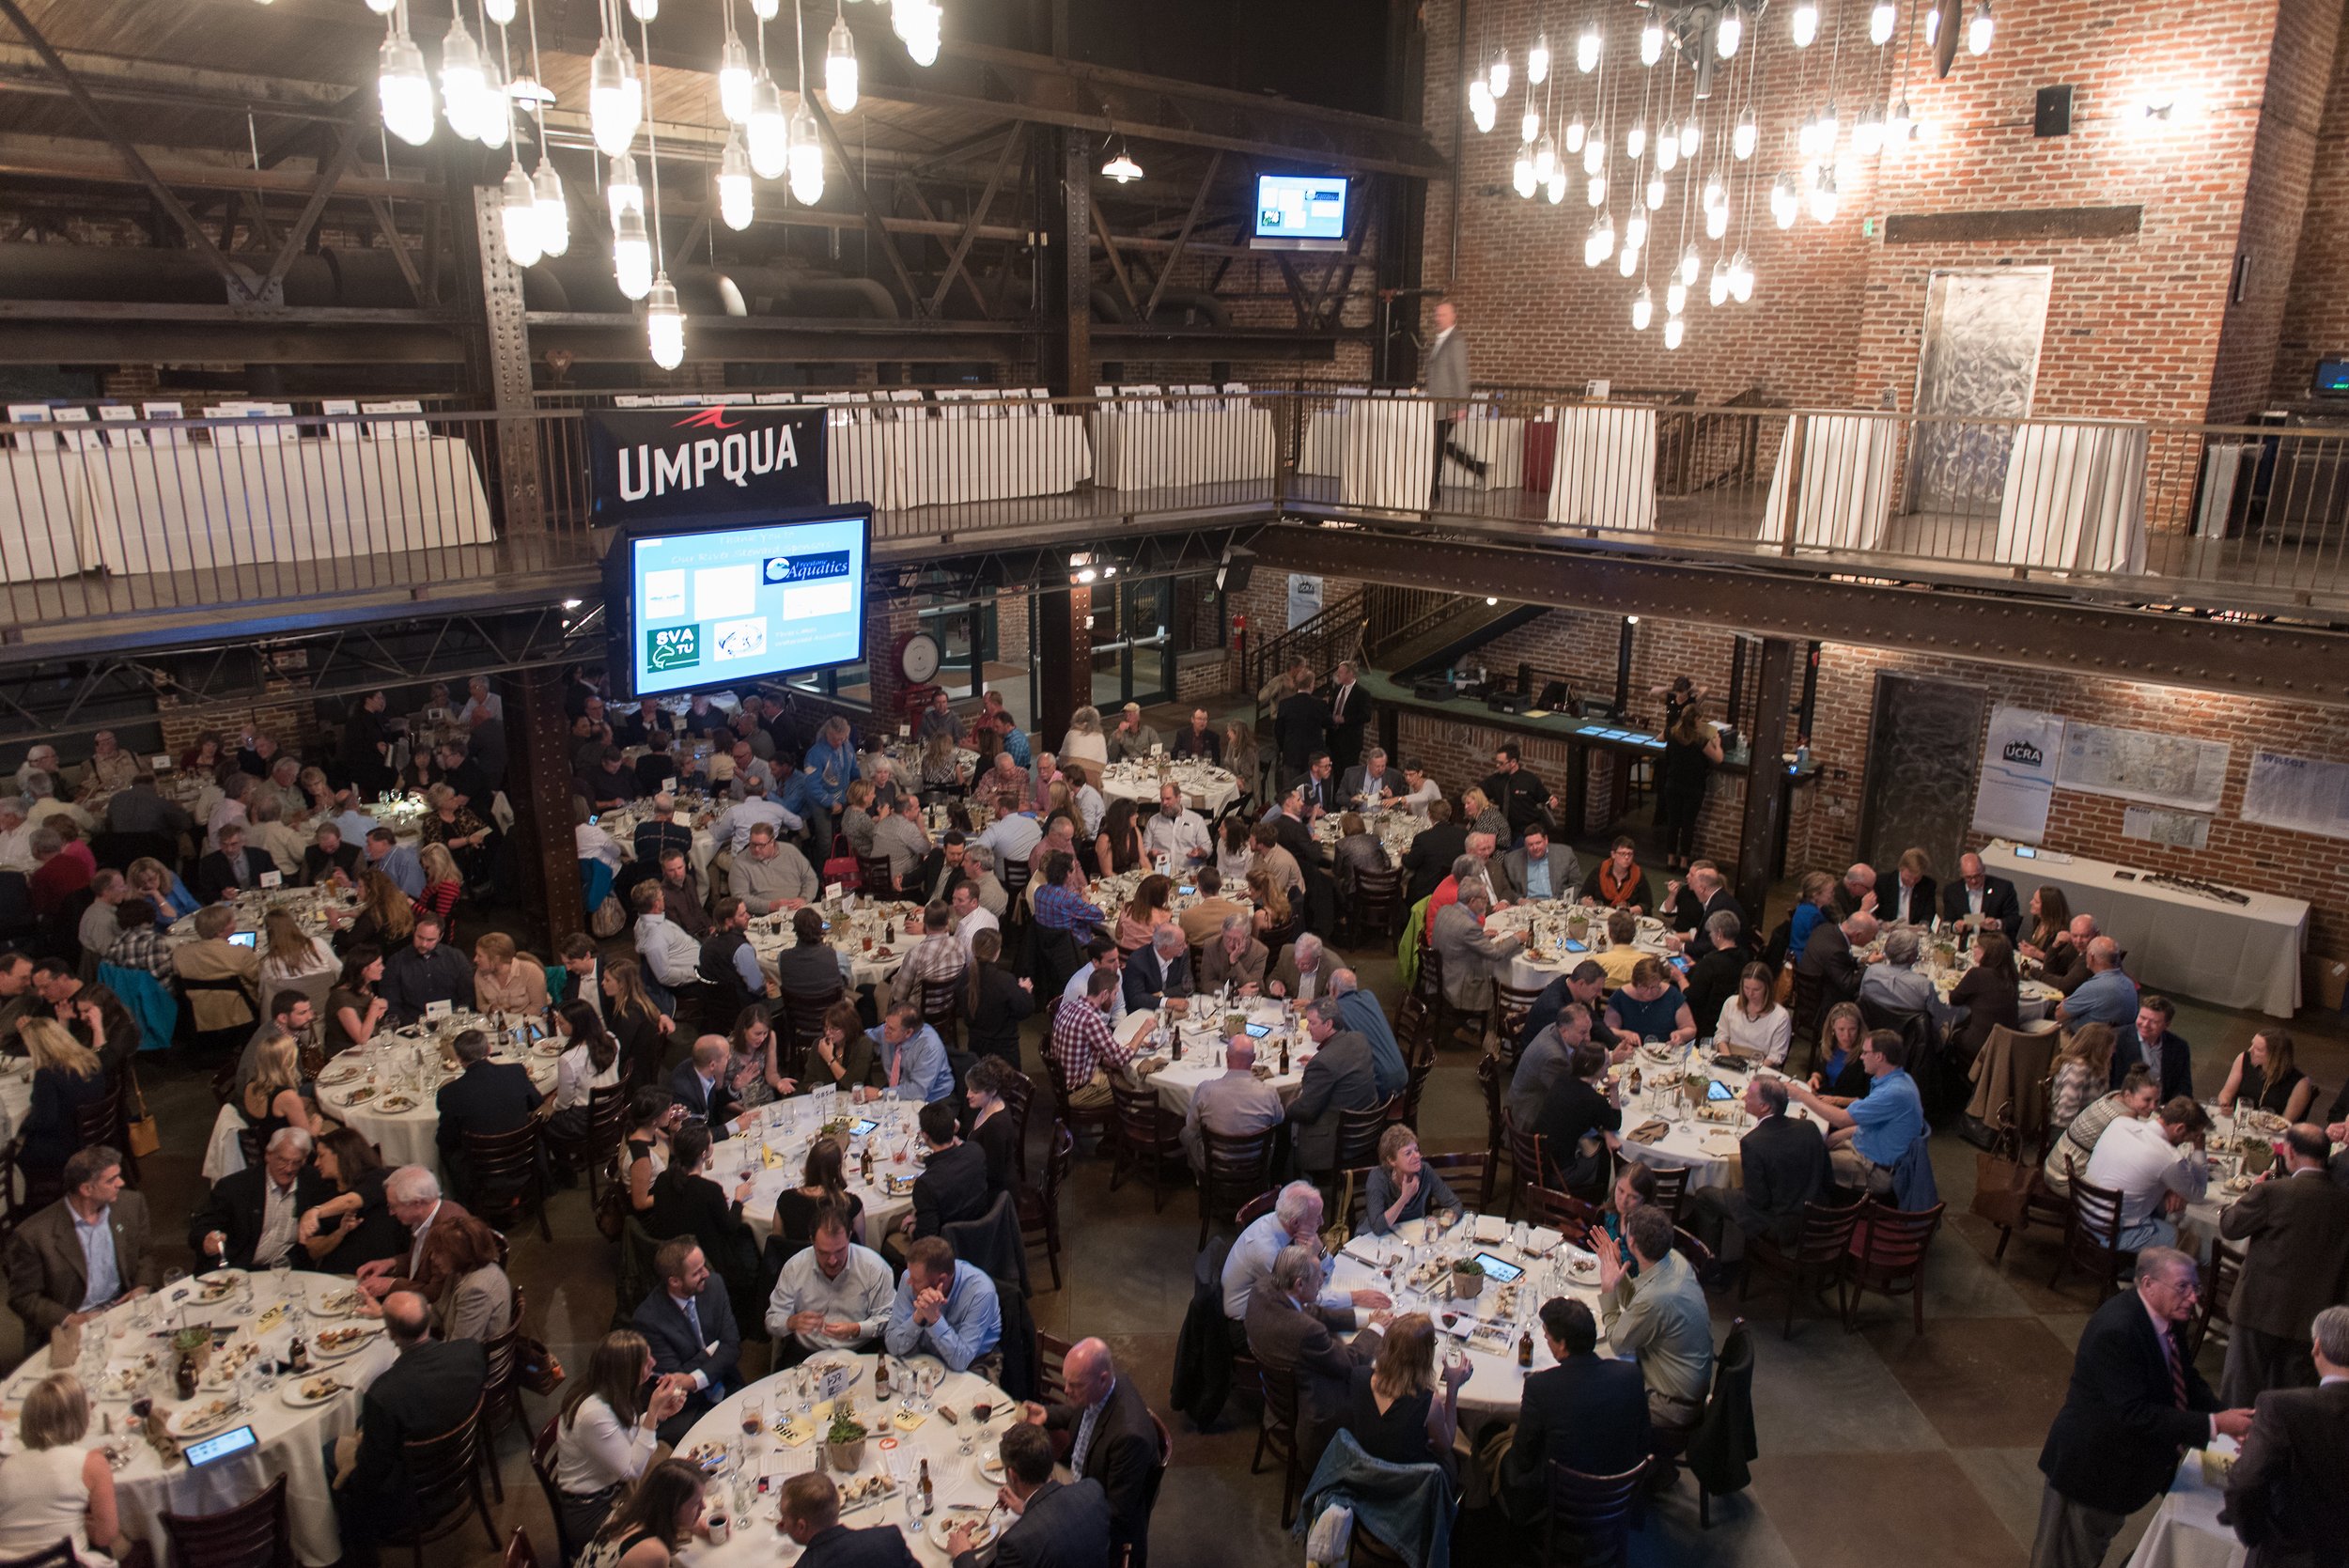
{"x":660,"y":463}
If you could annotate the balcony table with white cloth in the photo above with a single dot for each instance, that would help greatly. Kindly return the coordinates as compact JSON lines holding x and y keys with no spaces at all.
{"x":2184,"y":1531}
{"x":386,"y":1091}
{"x":1381,"y":449}
{"x":1604,"y":473}
{"x":1193,"y":443}
{"x":1208,"y":789}
{"x":179,"y":505}
{"x":2075,"y":497}
{"x":1845,"y":499}
{"x":736,"y":1463}
{"x":896,"y":463}
{"x":2243,"y":955}
{"x":770,"y":1143}
{"x":291,"y":1434}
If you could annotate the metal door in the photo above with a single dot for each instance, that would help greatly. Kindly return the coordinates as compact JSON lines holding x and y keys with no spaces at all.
{"x":1980,"y":361}
{"x":1924,"y":748}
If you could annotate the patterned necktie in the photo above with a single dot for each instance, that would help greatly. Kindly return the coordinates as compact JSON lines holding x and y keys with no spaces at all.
{"x":2177,"y":1368}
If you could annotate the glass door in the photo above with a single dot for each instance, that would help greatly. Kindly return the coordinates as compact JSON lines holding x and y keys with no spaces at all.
{"x":1133,"y":645}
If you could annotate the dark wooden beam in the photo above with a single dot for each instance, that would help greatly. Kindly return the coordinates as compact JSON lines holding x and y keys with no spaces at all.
{"x":1762,"y":829}
{"x":1117,"y":263}
{"x":2049,"y":222}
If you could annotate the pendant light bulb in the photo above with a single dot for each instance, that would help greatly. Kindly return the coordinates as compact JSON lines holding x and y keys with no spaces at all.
{"x":770,"y":130}
{"x":1675,"y":296}
{"x":1545,"y":159}
{"x":664,"y":323}
{"x":1881,"y":22}
{"x":631,"y":255}
{"x":1716,"y":287}
{"x":1933,"y":25}
{"x":1577,"y":132}
{"x":1598,"y":189}
{"x":1651,"y":42}
{"x":1557,"y":188}
{"x":923,"y":33}
{"x":382,"y":7}
{"x":1627,"y":260}
{"x":1498,"y":75}
{"x":840,"y":73}
{"x":405,"y":90}
{"x":1867,"y":133}
{"x":1747,"y":136}
{"x":1668,"y":148}
{"x":1740,"y":278}
{"x":500,"y":13}
{"x":1730,"y":31}
{"x":492,"y":112}
{"x":552,"y":206}
{"x":735,"y":79}
{"x":1824,"y":200}
{"x":609,"y":100}
{"x":1521,"y":172}
{"x":1900,"y":127}
{"x":805,"y":159}
{"x":765,"y":11}
{"x":645,"y":11}
{"x":1593,"y":154}
{"x":1642,"y":309}
{"x":1806,"y":22}
{"x":1979,"y":30}
{"x":1606,"y":235}
{"x":1691,"y":264}
{"x":1692,"y":136}
{"x":1785,"y":205}
{"x":1674,"y":329}
{"x":733,"y":184}
{"x":1588,"y":46}
{"x":1635,"y":229}
{"x":1715,"y":194}
{"x":1537,"y":59}
{"x":461,"y":80}
{"x":1654,"y":191}
{"x":1529,"y":123}
{"x":1635,"y":140}
{"x":623,"y":190}
{"x":1716,"y":221}
{"x":1482,"y":108}
{"x":1122,"y":168}
{"x":518,"y":217}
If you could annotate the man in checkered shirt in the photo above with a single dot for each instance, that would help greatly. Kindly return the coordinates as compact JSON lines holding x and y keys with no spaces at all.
{"x":1084,"y":1046}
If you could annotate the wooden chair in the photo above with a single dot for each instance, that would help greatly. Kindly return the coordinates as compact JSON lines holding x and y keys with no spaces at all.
{"x":1888,"y":1250}
{"x":506,"y":1182}
{"x":1562,"y":1212}
{"x":253,"y":1534}
{"x":2040,"y":1202}
{"x":877,"y":876}
{"x":1817,"y":1261}
{"x":1277,"y":1433}
{"x":2091,"y":1237}
{"x":1233,"y":1168}
{"x":1733,"y":1384}
{"x":1672,"y":1188}
{"x":1699,"y":1255}
{"x":1018,"y":1101}
{"x":1149,"y":1139}
{"x":1469,"y":1176}
{"x":2226,"y":1272}
{"x":803,"y":1019}
{"x":59,"y":1556}
{"x":1529,"y":1164}
{"x":446,"y":1467}
{"x":1410,"y":1031}
{"x":1590,"y":1516}
{"x":1414,"y":1086}
{"x":1353,"y":1197}
{"x":542,"y":1466}
{"x":502,"y":1390}
{"x":1102,"y":1121}
{"x":1359,"y":1132}
{"x":1257,"y":1207}
{"x":1051,"y":1368}
{"x":1806,"y":1005}
{"x":606,"y":1131}
{"x":1510,"y":1007}
{"x":1373,"y":914}
{"x":1040,"y":1211}
{"x":1489,"y":1079}
{"x":100,"y":1121}
{"x":520,"y":1553}
{"x":942,"y":1005}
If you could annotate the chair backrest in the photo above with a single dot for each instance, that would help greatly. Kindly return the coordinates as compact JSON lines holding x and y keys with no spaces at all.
{"x":1700,"y":1256}
{"x":607,"y":1117}
{"x":1358,"y":1131}
{"x":1895,"y":1241}
{"x":519,"y":1551}
{"x":1237,"y":1166}
{"x":805,"y":1016}
{"x":1414,"y":1088}
{"x":1411,"y":1027}
{"x":438,"y":1466}
{"x":59,"y":1556}
{"x":992,"y":1243}
{"x":504,"y":1168}
{"x":1561,"y":1211}
{"x":1594,"y":1508}
{"x":1469,"y":1176}
{"x":1510,"y":1006}
{"x":253,"y":1534}
{"x":1489,"y":1079}
{"x":1672,"y":1188}
{"x":2095,"y":1225}
{"x":942,"y":1004}
{"x":499,"y":1352}
{"x":100,"y":1120}
{"x":1057,"y":1163}
{"x":1526,"y":1152}
{"x":1827,"y":1231}
{"x":1142,"y":1123}
{"x":1019,"y":1099}
{"x":1257,"y":1207}
{"x":879,"y":877}
{"x":1051,"y":1367}
{"x":1354,"y":1200}
{"x":1808,"y":993}
{"x":1377,"y":898}
{"x":1280,"y":1393}
{"x":542,"y":1466}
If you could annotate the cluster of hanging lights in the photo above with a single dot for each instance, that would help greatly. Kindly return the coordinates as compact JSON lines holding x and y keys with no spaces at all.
{"x":480,"y":98}
{"x":1710,"y":40}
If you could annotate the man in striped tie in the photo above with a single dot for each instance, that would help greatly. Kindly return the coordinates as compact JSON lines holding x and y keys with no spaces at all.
{"x":2136,"y":1405}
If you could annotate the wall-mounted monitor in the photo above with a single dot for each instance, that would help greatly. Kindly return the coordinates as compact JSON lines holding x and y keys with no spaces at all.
{"x":731,"y":601}
{"x":1301,"y":212}
{"x":2332,"y":377}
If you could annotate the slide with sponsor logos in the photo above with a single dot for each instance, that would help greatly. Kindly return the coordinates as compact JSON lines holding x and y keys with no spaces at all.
{"x":732,"y":604}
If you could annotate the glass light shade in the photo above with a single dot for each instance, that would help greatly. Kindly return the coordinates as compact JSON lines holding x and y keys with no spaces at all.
{"x":499,"y":12}
{"x":1880,"y":22}
{"x":1730,"y":31}
{"x":1538,"y":60}
{"x":1716,"y":221}
{"x":1498,"y":76}
{"x":770,"y":132}
{"x":1635,"y":140}
{"x":405,"y":90}
{"x":1521,"y":172}
{"x":492,"y":116}
{"x":1785,"y":205}
{"x":1830,"y":127}
{"x":382,"y":7}
{"x":1901,"y":126}
{"x":1590,"y":247}
{"x":1717,"y":285}
{"x":553,"y":208}
{"x":1933,"y":25}
{"x":1577,"y":132}
{"x":1675,"y":296}
{"x":461,"y":81}
{"x":518,"y":217}
{"x":1651,"y":42}
{"x":765,"y":11}
{"x":1654,"y":191}
{"x":1593,"y":153}
{"x":1748,"y":135}
{"x":665,"y":324}
{"x":1692,"y":136}
{"x":1545,"y":159}
{"x":609,"y":99}
{"x":1122,"y":169}
{"x":733,"y":184}
{"x":1674,"y":330}
{"x":1598,"y":189}
{"x":1529,"y":124}
{"x":1715,"y":194}
{"x":1634,"y":228}
{"x":1806,"y":23}
{"x":1557,"y":191}
{"x":1668,"y":149}
{"x":1642,"y":309}
{"x":840,"y":73}
{"x":735,"y":80}
{"x":1481,"y":106}
{"x":1740,"y":278}
{"x":1691,"y":264}
{"x":1867,"y":133}
{"x":1627,"y":260}
{"x":623,"y":190}
{"x":1824,"y":200}
{"x":923,"y":40}
{"x":631,"y":255}
{"x":645,"y":11}
{"x":1979,"y":30}
{"x":1807,"y":137}
{"x":1606,"y":235}
{"x":1588,"y":46}
{"x":805,"y":159}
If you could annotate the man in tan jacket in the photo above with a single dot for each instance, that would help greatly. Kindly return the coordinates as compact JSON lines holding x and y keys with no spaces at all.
{"x":204,"y":963}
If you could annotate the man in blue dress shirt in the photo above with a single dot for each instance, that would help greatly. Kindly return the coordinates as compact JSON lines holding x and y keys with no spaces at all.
{"x":948,"y":1308}
{"x":2107,"y":996}
{"x":1868,"y":1138}
{"x":912,"y":1055}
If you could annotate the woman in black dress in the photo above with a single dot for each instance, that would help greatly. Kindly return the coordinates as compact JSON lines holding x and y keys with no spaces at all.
{"x":999,"y":1000}
{"x":823,"y":1180}
{"x":356,"y":1225}
{"x":992,"y":1126}
{"x":1692,"y":749}
{"x":1394,"y":1414}
{"x":686,"y":1203}
{"x":67,"y":1076}
{"x":653,"y":1115}
{"x":1991,"y":993}
{"x":642,"y":1028}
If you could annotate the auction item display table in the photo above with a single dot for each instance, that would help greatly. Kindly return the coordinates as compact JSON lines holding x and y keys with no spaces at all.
{"x":1845,"y":497}
{"x":2075,"y":497}
{"x":1604,"y":473}
{"x":930,"y":462}
{"x":1135,"y":448}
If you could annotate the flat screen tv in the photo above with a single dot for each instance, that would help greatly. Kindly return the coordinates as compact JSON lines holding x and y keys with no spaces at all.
{"x":730,"y":601}
{"x":1300,"y":212}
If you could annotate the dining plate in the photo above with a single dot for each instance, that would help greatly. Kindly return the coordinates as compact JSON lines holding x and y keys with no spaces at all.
{"x":334,"y":1344}
{"x":947,"y":1518}
{"x":396,"y":1103}
{"x":318,"y":1389}
{"x":203,"y":1416}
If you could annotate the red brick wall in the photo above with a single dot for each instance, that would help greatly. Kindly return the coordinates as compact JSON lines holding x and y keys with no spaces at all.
{"x":2316,"y":320}
{"x":2133,"y":324}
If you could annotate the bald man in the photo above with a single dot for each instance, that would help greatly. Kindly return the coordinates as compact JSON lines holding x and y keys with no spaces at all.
{"x":1112,"y":1439}
{"x":2107,"y":996}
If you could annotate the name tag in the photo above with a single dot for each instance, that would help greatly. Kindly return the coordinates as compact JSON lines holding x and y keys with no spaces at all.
{"x":160,"y":764}
{"x":272,"y":878}
{"x":269,"y":1319}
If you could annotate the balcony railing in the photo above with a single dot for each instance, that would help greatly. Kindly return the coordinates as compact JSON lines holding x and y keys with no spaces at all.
{"x":107,"y":516}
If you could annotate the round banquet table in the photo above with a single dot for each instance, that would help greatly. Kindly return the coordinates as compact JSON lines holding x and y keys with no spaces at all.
{"x":739,"y":1462}
{"x":16,"y":1095}
{"x":873,"y":935}
{"x":385,"y":1071}
{"x":1706,"y":1142}
{"x":1543,"y":923}
{"x":1202,"y":1042}
{"x":290,"y":1438}
{"x":1496,"y":1317}
{"x":308,"y":905}
{"x":622,"y":822}
{"x":2185,"y":1531}
{"x":1206,"y":788}
{"x":771,"y":1142}
{"x":1395,"y":829}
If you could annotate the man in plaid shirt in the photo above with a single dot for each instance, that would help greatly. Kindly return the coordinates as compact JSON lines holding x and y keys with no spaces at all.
{"x":1060,"y":901}
{"x":939,"y":956}
{"x":1084,"y":1046}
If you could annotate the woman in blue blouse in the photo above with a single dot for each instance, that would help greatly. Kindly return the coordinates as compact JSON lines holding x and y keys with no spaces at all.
{"x":1401,"y":1188}
{"x":1652,"y":1007}
{"x":1818,"y":893}
{"x":152,"y":879}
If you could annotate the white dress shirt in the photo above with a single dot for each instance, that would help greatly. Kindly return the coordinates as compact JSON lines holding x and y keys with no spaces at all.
{"x":862,"y":1294}
{"x":281,"y":1217}
{"x":1182,"y":838}
{"x":2138,"y":1160}
{"x":979,"y":919}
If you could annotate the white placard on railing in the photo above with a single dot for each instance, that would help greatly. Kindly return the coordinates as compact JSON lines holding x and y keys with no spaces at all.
{"x":31,"y":440}
{"x":394,"y":429}
{"x":173,"y":437}
{"x":122,"y":414}
{"x":83,"y":439}
{"x":346,"y":429}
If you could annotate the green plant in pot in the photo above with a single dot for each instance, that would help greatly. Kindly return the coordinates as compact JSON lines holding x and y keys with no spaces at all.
{"x":1468,"y":1279}
{"x":844,"y":1439}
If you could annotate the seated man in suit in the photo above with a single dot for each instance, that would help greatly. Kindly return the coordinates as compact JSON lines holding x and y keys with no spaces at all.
{"x":690,"y":1326}
{"x":1786,"y":1166}
{"x":433,"y":1385}
{"x":810,"y":1517}
{"x":953,"y":1185}
{"x":1372,"y":784}
{"x":1470,"y":957}
{"x":1159,"y":976}
{"x":1588,"y":1413}
{"x":1980,"y":899}
{"x":1537,"y":868}
{"x":1054,"y":1525}
{"x":2151,"y":1041}
{"x":1831,"y":957}
{"x":1112,"y":1441}
{"x":83,"y":1252}
{"x":232,"y":868}
{"x":700,"y":1084}
{"x":1288,"y":1332}
{"x":1236,"y":958}
{"x":1339,"y":1078}
{"x":252,"y":1218}
{"x":2284,"y":1494}
{"x":485,"y":1097}
{"x":946,"y":1307}
{"x":412,"y":1194}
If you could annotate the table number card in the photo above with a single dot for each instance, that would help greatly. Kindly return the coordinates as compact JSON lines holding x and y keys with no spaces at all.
{"x":33,"y":413}
{"x":836,"y":1382}
{"x":269,"y":1319}
{"x":122,"y":414}
{"x":438,"y":1009}
{"x":82,"y":440}
{"x":272,"y":878}
{"x":344,"y":430}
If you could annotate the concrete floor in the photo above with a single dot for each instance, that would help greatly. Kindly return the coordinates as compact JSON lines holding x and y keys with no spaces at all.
{"x":1931,"y":1442}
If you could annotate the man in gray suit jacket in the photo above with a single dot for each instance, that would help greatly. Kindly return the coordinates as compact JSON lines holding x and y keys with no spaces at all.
{"x":1561,"y":874}
{"x":1448,"y":385}
{"x":2294,"y":1226}
{"x":1286,"y":1332}
{"x":1375,"y":778}
{"x":49,"y":1270}
{"x":1340,"y":1078}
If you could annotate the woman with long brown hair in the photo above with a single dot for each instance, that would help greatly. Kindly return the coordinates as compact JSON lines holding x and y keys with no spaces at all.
{"x":1271,"y":901}
{"x":1144,"y":913}
{"x":659,"y":1518}
{"x":383,"y":919}
{"x":1393,"y":1413}
{"x":823,"y":1179}
{"x":609,"y":1428}
{"x":354,"y":1226}
{"x":642,"y":1028}
{"x":998,"y":1001}
{"x":2083,"y":1069}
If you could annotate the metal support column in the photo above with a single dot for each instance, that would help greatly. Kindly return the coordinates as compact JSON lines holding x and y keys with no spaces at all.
{"x":1064,"y":192}
{"x":506,"y":367}
{"x":1062,"y":652}
{"x":1768,"y":787}
{"x":538,"y":786}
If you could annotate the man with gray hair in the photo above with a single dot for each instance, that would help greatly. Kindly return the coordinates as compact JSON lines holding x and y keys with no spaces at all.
{"x":1295,"y":1221}
{"x":1372,"y":784}
{"x":2107,"y":996}
{"x":1471,"y":956}
{"x":2136,"y":1405}
{"x":252,"y":1217}
{"x":1831,"y":956}
{"x":1159,"y":975}
{"x":1359,"y":1011}
{"x":1289,"y":1332}
{"x":1857,"y":894}
{"x":1237,"y":1105}
{"x":1303,"y":971}
{"x":1176,"y":833}
{"x":99,"y":928}
{"x":1721,"y":959}
{"x":41,"y":759}
{"x":1786,"y":1167}
{"x":2294,"y":1230}
{"x":412,"y":1194}
{"x":16,"y":836}
{"x":1235,"y":958}
{"x":978,"y":875}
{"x":1897,"y":985}
{"x":1337,"y":1080}
{"x":2284,"y":1494}
{"x":485,"y":1097}
{"x":1133,"y":740}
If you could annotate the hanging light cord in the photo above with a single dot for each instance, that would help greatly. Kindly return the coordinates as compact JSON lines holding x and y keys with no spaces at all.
{"x":652,"y":149}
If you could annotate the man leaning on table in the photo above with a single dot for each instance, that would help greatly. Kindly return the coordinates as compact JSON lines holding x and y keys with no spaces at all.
{"x":426,"y":1392}
{"x":87,"y":1251}
{"x":412,"y":1194}
{"x":946,"y":1307}
{"x":833,"y":1295}
{"x":1866,"y":1139}
{"x":1295,"y":1221}
{"x":2285,"y":1495}
{"x":2135,"y":1406}
{"x":1237,"y":1104}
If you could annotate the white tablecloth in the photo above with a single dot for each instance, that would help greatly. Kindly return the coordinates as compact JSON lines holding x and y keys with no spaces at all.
{"x":178,"y":507}
{"x":1499,"y":444}
{"x":16,"y":1103}
{"x":406,"y":1136}
{"x":1846,"y":495}
{"x":772,"y":1142}
{"x":875,"y":941}
{"x":1604,"y":476}
{"x":931,"y":463}
{"x":290,"y":1440}
{"x":955,"y":1481}
{"x":1203,"y":1054}
{"x":1206,"y":788}
{"x":2233,"y":955}
{"x":623,"y":822}
{"x":2185,"y":1531}
{"x":2075,"y":498}
{"x":1387,"y":453}
{"x":1135,"y":448}
{"x":1317,"y":452}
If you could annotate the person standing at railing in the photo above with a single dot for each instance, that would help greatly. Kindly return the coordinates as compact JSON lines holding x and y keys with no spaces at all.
{"x":1448,"y":385}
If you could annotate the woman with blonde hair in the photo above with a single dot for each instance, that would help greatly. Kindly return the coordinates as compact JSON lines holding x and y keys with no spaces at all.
{"x":444,"y":884}
{"x":856,"y":819}
{"x":55,"y":1487}
{"x":1482,"y":815}
{"x":941,"y":770}
{"x":290,"y":956}
{"x":1401,"y":1188}
{"x":274,"y":1098}
{"x":1841,"y":1079}
{"x":1753,"y":1023}
{"x":2264,"y":1078}
{"x":157,"y":883}
{"x":1393,"y":1413}
{"x":640,"y":1026}
{"x":505,"y":979}
{"x":384,"y":918}
{"x":2083,"y":1069}
{"x":67,"y":1076}
{"x":1270,"y":898}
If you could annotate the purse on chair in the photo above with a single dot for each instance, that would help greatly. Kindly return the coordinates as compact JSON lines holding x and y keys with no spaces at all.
{"x":138,"y":1124}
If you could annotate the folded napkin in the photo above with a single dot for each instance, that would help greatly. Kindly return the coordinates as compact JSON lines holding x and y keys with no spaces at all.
{"x":1491,"y":1228}
{"x":1648,"y":1132}
{"x":166,"y":1447}
{"x":1541,"y":1241}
